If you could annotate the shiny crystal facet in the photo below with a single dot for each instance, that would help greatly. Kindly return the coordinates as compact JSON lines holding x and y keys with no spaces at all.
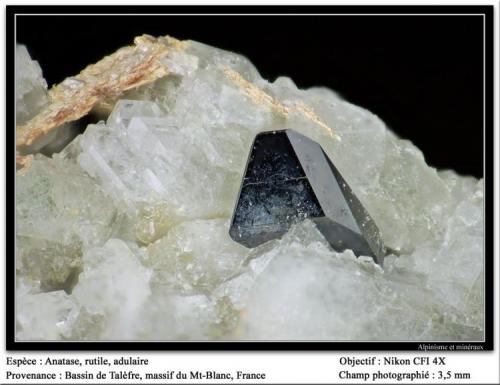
{"x":290,"y":178}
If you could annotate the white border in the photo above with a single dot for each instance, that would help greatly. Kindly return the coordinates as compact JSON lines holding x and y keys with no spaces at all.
{"x":290,"y":367}
{"x":299,"y":14}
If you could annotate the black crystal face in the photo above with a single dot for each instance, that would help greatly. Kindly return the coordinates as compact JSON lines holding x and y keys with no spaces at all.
{"x":289,"y":178}
{"x":275,"y":192}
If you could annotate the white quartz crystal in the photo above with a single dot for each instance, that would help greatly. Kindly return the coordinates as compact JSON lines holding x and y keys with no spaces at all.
{"x":196,"y":257}
{"x":43,"y":316}
{"x":309,"y":292}
{"x":114,"y":284}
{"x":31,"y":87}
{"x":31,"y":97}
{"x":60,"y":211}
{"x":131,"y":220}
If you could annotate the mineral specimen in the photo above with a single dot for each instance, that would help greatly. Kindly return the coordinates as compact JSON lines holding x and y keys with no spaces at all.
{"x":31,"y":87}
{"x":289,"y":178}
{"x":124,"y":233}
{"x":76,"y":96}
{"x":59,"y":212}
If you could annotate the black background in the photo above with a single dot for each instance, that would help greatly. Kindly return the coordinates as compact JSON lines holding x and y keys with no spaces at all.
{"x":422,"y":75}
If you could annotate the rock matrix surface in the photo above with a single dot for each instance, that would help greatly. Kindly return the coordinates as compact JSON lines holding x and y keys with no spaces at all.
{"x":124,"y":233}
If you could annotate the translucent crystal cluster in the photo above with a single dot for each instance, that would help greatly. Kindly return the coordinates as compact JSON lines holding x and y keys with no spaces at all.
{"x":124,"y":234}
{"x":60,"y":211}
{"x":31,"y":87}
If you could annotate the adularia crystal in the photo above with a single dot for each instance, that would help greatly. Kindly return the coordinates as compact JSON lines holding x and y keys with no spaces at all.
{"x":290,"y":178}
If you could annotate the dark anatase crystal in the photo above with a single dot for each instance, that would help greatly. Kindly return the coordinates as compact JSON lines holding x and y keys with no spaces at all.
{"x":289,"y":178}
